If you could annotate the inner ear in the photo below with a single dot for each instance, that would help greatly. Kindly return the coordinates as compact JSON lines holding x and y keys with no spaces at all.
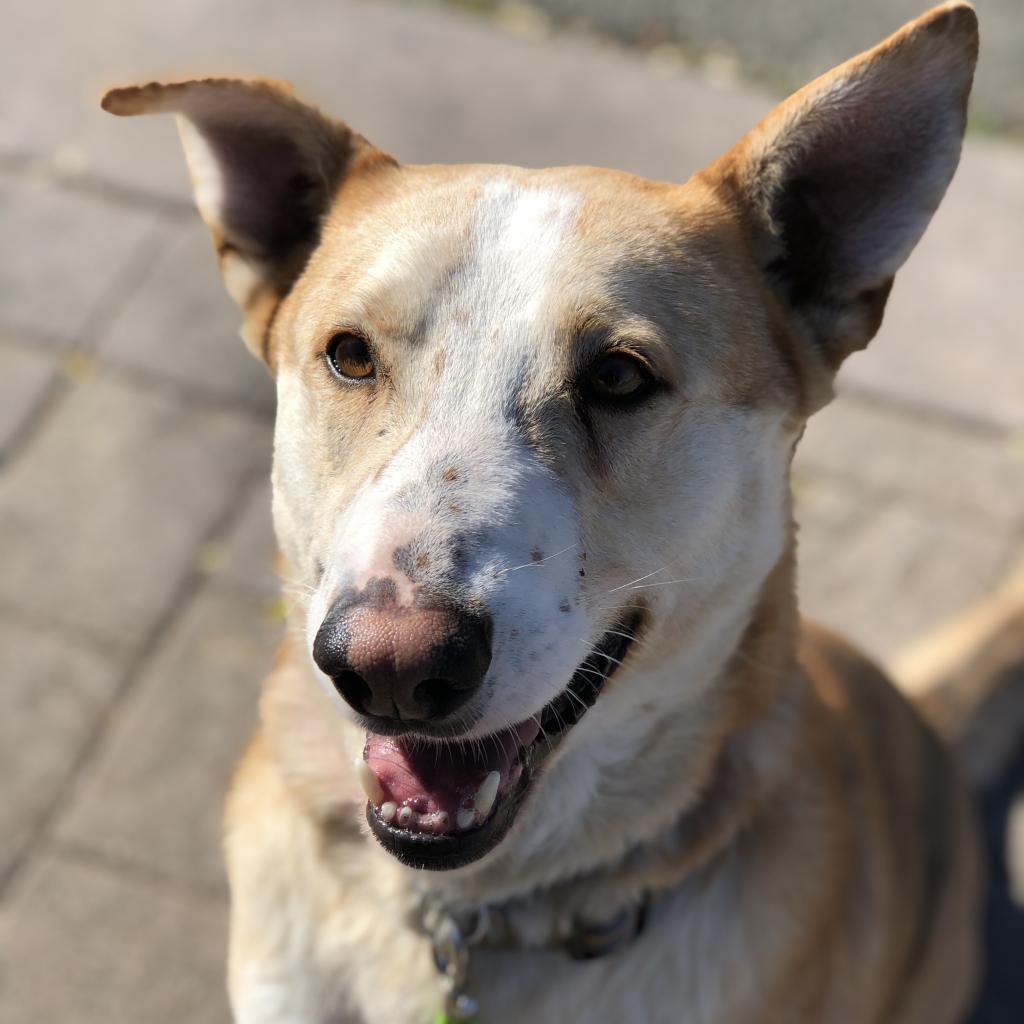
{"x":271,"y":196}
{"x":265,"y":168}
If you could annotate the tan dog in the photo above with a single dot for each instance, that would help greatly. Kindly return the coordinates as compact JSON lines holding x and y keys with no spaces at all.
{"x":531,"y":484}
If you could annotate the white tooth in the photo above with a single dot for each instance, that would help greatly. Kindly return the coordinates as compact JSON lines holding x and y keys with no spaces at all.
{"x":388,"y":810}
{"x":465,"y":817}
{"x":369,"y":781}
{"x":443,"y":820}
{"x":484,"y":799}
{"x":404,"y":816}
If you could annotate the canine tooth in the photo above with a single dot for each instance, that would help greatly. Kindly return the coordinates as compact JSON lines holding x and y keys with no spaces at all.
{"x":485,"y":795}
{"x":388,"y":810}
{"x":404,"y":816}
{"x":443,"y":820}
{"x":465,"y":817}
{"x":369,"y":781}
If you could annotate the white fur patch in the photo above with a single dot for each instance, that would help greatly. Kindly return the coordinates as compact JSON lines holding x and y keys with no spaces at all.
{"x":489,"y":320}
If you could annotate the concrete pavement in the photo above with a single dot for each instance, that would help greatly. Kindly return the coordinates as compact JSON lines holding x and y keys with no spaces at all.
{"x":136,"y":600}
{"x":785,"y":42}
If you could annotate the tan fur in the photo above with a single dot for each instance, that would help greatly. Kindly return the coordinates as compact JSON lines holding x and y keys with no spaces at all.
{"x":962,"y":676}
{"x":806,"y":840}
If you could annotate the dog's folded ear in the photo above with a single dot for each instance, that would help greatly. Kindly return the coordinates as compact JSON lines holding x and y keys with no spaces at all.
{"x":836,"y":186}
{"x":265,"y":167}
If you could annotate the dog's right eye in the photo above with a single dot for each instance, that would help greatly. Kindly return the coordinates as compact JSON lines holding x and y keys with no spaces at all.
{"x":618,"y":378}
{"x":350,"y":358}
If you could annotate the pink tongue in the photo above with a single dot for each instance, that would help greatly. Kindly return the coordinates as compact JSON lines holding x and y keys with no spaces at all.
{"x":430,"y":776}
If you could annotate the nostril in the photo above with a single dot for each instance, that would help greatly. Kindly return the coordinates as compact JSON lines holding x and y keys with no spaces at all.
{"x":353,"y":688}
{"x":437,"y":697}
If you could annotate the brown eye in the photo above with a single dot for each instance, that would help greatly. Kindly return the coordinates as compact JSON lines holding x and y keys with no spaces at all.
{"x":618,"y":377}
{"x":349,"y":357}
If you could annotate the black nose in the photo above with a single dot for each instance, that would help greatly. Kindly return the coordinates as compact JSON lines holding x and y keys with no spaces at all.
{"x":405,"y":664}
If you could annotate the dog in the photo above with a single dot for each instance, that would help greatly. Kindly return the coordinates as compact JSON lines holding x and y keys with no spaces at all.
{"x":548,"y":739}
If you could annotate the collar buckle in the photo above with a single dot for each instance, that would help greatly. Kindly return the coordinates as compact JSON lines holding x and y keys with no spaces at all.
{"x":590,"y":940}
{"x":451,"y":958}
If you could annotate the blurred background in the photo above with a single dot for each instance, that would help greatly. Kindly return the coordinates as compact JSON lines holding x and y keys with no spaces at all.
{"x":137,"y":603}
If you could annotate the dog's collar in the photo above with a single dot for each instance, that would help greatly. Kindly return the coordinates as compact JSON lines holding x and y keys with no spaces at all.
{"x":491,"y":926}
{"x":455,"y":932}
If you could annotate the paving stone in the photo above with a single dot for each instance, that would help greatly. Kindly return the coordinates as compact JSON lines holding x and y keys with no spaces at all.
{"x":952,"y":337}
{"x":181,"y":324}
{"x":64,"y":255}
{"x":154,"y":794}
{"x":55,"y":693}
{"x":882,"y":571}
{"x":246,"y":555}
{"x":937,"y":462}
{"x":793,"y":41}
{"x":92,"y":945}
{"x":100,"y":524}
{"x":25,"y":375}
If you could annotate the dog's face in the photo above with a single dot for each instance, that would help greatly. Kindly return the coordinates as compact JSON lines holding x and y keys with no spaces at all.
{"x":533,"y":425}
{"x":548,"y":399}
{"x":542,"y":396}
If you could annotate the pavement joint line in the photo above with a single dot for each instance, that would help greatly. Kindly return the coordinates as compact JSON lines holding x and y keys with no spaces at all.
{"x":247,"y":487}
{"x":132,"y":868}
{"x":227,"y":586}
{"x":27,"y":336}
{"x":144,"y":257}
{"x":37,"y":167}
{"x":98,"y":320}
{"x":189,"y":587}
{"x":197,"y":398}
{"x":961,"y":515}
{"x":39,"y":622}
{"x":35,"y":419}
{"x":923,"y":411}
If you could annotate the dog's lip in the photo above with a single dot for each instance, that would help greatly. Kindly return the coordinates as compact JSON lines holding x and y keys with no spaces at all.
{"x":449,"y":850}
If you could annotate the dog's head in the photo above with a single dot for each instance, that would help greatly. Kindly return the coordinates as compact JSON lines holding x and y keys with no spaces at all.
{"x":536,"y":425}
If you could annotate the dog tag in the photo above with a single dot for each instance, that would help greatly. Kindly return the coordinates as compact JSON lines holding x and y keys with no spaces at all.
{"x":443,"y":1017}
{"x":459,"y":1008}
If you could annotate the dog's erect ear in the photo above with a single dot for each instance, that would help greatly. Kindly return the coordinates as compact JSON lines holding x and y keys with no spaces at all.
{"x":264,"y":167}
{"x":836,"y":186}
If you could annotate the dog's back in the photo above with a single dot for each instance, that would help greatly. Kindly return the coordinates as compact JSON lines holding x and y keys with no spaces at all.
{"x":969,"y":680}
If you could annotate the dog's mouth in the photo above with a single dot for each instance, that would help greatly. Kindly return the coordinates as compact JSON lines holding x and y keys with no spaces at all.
{"x":442,"y":805}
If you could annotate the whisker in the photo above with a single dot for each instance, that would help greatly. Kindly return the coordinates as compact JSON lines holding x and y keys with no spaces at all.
{"x":607,"y":657}
{"x":639,"y":579}
{"x":667,"y":583}
{"x":538,"y":561}
{"x":579,"y":700}
{"x":289,"y":583}
{"x":589,"y":672}
{"x":617,"y":632}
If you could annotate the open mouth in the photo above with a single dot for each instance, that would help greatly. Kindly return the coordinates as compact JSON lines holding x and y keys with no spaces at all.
{"x":442,"y":805}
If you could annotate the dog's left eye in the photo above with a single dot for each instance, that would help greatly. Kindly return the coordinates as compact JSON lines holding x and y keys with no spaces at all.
{"x":618,"y":377}
{"x":350,"y":358}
